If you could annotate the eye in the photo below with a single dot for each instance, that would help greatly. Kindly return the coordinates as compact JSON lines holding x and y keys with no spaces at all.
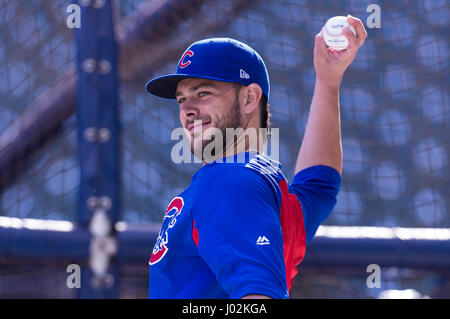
{"x":181,"y":100}
{"x":203,"y":93}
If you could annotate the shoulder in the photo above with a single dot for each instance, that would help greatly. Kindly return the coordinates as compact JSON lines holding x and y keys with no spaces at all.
{"x":259,"y":174}
{"x":267,"y":168}
{"x":256,"y":169}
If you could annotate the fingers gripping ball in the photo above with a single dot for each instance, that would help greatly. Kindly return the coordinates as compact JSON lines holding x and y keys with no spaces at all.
{"x":332,"y":33}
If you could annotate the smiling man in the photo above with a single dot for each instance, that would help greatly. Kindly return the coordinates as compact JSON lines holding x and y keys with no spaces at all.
{"x":239,"y":230}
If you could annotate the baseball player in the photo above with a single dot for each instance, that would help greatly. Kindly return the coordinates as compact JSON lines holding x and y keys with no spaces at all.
{"x":239,"y":230}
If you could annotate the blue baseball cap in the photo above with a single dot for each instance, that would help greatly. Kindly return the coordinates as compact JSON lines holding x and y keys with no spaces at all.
{"x":219,"y":59}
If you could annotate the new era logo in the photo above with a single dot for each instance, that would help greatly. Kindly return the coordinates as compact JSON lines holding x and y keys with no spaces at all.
{"x":244,"y":75}
{"x":262,"y":240}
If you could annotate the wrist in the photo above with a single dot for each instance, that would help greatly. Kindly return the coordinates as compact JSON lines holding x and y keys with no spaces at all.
{"x":328,"y":84}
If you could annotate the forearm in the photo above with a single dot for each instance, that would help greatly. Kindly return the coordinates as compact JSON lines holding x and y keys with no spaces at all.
{"x":321,"y":143}
{"x":322,"y":140}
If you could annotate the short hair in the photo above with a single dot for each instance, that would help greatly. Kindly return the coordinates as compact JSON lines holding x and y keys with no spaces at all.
{"x":265,"y":112}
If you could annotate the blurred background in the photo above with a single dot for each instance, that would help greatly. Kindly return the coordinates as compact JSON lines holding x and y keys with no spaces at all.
{"x":395,"y":116}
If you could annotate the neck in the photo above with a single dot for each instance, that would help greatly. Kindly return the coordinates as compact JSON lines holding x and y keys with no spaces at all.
{"x":253,"y":140}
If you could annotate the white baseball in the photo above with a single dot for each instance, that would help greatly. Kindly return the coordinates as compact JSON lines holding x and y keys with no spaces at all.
{"x":332,"y":33}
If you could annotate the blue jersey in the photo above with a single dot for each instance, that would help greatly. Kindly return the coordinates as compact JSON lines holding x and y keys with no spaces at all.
{"x":239,"y":228}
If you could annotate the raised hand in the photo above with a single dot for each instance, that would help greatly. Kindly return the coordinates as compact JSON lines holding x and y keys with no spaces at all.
{"x":331,"y":64}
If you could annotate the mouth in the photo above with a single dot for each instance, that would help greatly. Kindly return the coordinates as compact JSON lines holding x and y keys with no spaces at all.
{"x":197,"y":126}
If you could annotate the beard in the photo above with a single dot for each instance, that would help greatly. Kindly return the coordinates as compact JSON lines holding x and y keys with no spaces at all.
{"x":230,"y":119}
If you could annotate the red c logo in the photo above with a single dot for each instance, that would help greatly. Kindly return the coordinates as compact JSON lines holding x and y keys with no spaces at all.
{"x":185,"y":64}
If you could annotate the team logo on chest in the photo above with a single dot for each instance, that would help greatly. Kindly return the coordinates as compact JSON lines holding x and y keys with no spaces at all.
{"x":170,"y":218}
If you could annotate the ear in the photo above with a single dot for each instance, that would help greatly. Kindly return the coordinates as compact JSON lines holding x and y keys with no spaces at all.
{"x":251,"y":95}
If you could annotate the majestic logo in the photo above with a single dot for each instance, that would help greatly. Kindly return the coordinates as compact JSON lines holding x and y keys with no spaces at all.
{"x":185,"y":64}
{"x":262,"y":240}
{"x":170,"y":218}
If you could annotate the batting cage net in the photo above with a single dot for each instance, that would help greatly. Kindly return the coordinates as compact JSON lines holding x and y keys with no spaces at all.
{"x":395,"y":116}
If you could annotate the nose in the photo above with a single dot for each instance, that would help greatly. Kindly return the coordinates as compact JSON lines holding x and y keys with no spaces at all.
{"x":188,"y":109}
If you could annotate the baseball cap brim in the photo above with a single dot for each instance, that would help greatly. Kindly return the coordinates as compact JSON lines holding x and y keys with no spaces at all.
{"x":166,"y":86}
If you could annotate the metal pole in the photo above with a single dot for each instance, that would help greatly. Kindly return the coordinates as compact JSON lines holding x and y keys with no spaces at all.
{"x":98,"y":138}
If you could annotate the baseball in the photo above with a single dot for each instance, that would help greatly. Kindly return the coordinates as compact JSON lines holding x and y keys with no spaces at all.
{"x":332,"y":33}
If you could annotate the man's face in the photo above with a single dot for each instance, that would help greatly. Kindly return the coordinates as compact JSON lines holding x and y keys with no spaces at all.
{"x":214,"y":103}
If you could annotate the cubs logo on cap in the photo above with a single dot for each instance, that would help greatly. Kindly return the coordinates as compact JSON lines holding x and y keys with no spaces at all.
{"x":219,"y":59}
{"x":184,"y":63}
